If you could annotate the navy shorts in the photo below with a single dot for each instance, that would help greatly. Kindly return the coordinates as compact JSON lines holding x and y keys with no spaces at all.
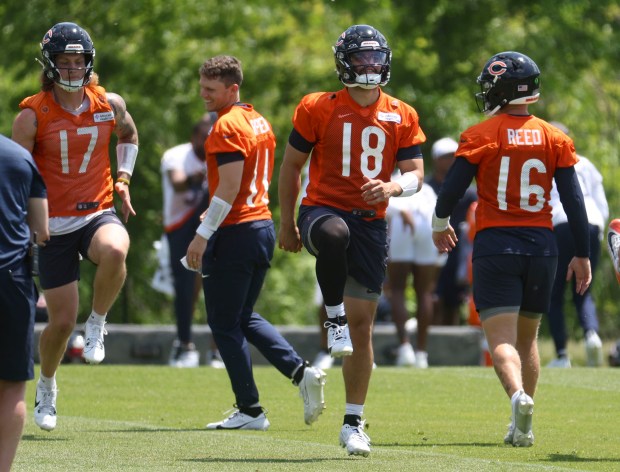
{"x":367,"y":252}
{"x":59,"y":260}
{"x":515,"y":282}
{"x":17,"y":306}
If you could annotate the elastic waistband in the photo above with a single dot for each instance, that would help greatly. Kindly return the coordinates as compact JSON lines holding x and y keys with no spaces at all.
{"x":363,"y":213}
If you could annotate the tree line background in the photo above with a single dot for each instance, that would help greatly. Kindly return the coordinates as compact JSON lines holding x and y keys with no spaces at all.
{"x":149,"y":51}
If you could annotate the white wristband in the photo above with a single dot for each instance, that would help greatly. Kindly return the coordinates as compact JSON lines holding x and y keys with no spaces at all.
{"x":440,"y":224}
{"x":126,"y":155}
{"x":217,"y":212}
{"x":408,"y":182}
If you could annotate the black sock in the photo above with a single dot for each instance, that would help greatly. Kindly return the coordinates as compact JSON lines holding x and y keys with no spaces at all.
{"x":254,"y":411}
{"x":352,"y":420}
{"x":299,"y":375}
{"x":341,"y":320}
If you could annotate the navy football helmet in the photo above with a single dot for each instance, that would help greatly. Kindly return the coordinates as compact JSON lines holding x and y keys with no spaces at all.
{"x":358,"y":50}
{"x":507,"y":78}
{"x":67,"y":38}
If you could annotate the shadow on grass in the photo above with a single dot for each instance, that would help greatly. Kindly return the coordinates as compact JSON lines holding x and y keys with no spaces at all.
{"x":146,"y":430}
{"x":37,"y":437}
{"x":576,"y":458}
{"x":432,"y":444}
{"x":313,"y":460}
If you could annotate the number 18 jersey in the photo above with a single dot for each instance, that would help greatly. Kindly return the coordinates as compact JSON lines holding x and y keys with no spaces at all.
{"x":350,"y":141}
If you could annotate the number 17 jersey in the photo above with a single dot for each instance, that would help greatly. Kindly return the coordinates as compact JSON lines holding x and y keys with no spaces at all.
{"x":350,"y":142}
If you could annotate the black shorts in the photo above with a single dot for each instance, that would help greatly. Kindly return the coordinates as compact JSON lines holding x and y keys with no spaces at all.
{"x":368,"y":244}
{"x":514,"y":282}
{"x":59,"y":260}
{"x":17,"y":306}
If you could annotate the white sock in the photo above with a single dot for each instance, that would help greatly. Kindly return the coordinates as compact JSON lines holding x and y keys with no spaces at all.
{"x":353,"y":409}
{"x":48,"y":382}
{"x":335,"y":311}
{"x":96,"y":317}
{"x":515,"y":396}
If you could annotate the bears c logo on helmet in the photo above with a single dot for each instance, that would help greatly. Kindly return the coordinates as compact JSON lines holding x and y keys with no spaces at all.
{"x":497,"y":68}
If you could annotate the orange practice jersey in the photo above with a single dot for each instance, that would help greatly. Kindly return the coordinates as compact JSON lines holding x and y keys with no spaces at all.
{"x":350,"y":142}
{"x":71,"y":153}
{"x":516,"y":158}
{"x":243,"y":130}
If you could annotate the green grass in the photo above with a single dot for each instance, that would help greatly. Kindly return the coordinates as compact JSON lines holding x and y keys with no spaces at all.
{"x":151,"y":418}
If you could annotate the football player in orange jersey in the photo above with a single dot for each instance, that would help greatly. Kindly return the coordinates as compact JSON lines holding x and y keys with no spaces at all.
{"x":514,"y":157}
{"x":68,"y":127}
{"x":356,"y":138}
{"x":233,"y":247}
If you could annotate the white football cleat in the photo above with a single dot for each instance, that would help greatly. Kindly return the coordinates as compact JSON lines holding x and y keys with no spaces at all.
{"x":94,"y":351}
{"x":338,"y":339}
{"x":561,"y":362}
{"x":183,"y":356}
{"x":311,"y":392}
{"x":238,"y":420}
{"x":45,"y":407}
{"x":355,"y":440}
{"x":594,"y":349}
{"x":520,"y":429}
{"x":405,"y":355}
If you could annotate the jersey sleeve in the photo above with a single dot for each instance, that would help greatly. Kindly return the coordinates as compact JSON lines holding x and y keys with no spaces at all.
{"x":303,"y":117}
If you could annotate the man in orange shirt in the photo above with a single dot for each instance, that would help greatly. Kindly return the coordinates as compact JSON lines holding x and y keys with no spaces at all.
{"x":514,"y":157}
{"x":357,"y":137}
{"x":234,"y":245}
{"x":68,"y":128}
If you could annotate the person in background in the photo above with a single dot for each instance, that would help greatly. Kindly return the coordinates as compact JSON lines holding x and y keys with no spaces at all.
{"x":613,"y":245}
{"x":412,"y":252}
{"x":357,"y":137}
{"x":186,"y":197}
{"x":591,"y":182}
{"x":452,"y":289}
{"x":23,"y":220}
{"x":233,"y":247}
{"x":514,"y":157}
{"x":68,"y":128}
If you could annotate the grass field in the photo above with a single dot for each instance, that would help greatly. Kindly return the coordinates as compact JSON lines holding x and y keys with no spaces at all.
{"x":136,"y":418}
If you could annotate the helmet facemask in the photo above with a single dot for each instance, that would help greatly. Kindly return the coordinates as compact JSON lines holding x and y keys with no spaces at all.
{"x":362,"y":57}
{"x":365,"y":68}
{"x":67,"y":38}
{"x":77,"y":77}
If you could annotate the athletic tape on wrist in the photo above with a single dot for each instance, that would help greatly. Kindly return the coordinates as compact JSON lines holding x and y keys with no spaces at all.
{"x":217,"y":212}
{"x":408,"y":182}
{"x":126,"y":155}
{"x":440,"y":224}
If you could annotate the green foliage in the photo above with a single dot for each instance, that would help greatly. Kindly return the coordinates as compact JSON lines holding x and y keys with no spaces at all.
{"x":149,"y":51}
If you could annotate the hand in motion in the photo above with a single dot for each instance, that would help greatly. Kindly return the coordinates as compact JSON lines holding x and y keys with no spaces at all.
{"x":580,"y":267}
{"x":195,"y":251}
{"x":289,"y":238}
{"x":445,"y":240}
{"x":375,"y":191}
{"x":123,"y":191}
